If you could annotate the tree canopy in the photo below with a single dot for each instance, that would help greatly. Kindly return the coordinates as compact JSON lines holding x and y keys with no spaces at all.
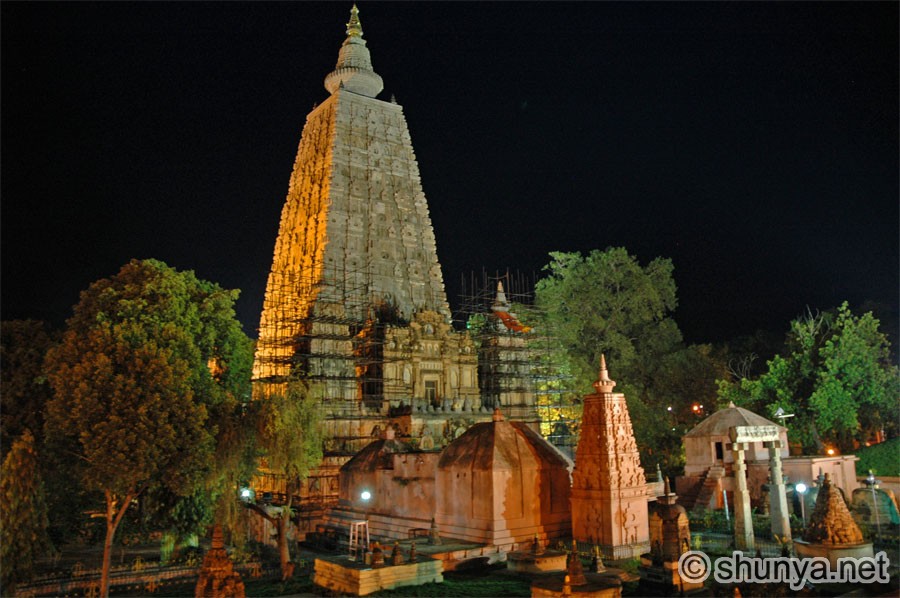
{"x":150,"y":365}
{"x":23,"y":504}
{"x":835,"y":377}
{"x":607,"y":302}
{"x":24,"y":390}
{"x":289,"y":438}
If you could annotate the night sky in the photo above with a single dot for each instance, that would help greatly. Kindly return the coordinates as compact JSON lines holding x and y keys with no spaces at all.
{"x":754,"y":144}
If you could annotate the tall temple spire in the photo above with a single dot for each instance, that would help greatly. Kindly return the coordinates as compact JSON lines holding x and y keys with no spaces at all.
{"x":353,"y":71}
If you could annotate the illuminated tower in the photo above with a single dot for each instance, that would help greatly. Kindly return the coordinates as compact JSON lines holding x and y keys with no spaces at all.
{"x":355,"y":242}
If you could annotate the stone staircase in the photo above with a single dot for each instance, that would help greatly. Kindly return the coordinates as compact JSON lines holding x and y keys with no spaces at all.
{"x":708,"y":489}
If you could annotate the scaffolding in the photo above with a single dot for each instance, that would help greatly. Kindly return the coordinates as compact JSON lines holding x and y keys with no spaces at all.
{"x":518,"y":353}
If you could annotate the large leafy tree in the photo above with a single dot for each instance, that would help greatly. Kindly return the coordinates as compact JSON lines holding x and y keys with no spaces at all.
{"x":149,"y":367}
{"x":835,"y":376}
{"x":289,"y":440}
{"x":607,"y":302}
{"x":22,"y":502}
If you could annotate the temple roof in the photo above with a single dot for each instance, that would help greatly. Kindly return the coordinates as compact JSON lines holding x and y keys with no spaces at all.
{"x":720,"y":422}
{"x":353,"y":71}
{"x":499,"y":445}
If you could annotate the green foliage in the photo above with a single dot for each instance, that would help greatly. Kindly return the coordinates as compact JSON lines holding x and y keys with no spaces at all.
{"x":290,"y":431}
{"x":22,"y":502}
{"x":23,"y":387}
{"x":880,"y":458}
{"x":606,"y":302}
{"x":151,"y":369}
{"x":835,"y":377}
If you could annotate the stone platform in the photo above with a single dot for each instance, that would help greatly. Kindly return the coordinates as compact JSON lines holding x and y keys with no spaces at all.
{"x":341,"y":575}
{"x":522,"y":561}
{"x":599,"y":585}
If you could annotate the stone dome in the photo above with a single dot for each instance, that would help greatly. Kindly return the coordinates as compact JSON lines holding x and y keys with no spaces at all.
{"x":500,"y":445}
{"x":500,"y":483}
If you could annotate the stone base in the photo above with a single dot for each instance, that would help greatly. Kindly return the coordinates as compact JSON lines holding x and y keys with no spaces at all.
{"x":833,"y":552}
{"x":343,"y":576}
{"x":527,"y":562}
{"x":599,"y":585}
{"x":664,"y":575}
{"x":624,"y":551}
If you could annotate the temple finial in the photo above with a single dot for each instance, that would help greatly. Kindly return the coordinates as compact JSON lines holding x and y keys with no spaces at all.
{"x":603,"y":383}
{"x":353,"y":71}
{"x":354,"y":27}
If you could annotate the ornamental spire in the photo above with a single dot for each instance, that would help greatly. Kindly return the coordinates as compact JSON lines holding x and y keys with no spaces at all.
{"x":354,"y":64}
{"x":354,"y":27}
{"x":603,"y":383}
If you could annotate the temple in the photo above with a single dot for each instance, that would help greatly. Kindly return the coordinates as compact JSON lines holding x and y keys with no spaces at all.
{"x":355,"y":300}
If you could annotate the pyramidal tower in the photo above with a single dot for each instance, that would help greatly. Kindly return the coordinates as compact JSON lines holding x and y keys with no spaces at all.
{"x":356,"y":242}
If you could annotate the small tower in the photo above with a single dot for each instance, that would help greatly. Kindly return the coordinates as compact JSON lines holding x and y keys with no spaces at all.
{"x":609,"y":504}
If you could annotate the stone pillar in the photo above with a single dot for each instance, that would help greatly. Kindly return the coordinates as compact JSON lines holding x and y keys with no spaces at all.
{"x":778,"y":509}
{"x":743,"y":522}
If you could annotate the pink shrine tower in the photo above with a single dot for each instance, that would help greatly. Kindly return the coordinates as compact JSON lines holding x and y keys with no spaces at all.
{"x":609,"y":490}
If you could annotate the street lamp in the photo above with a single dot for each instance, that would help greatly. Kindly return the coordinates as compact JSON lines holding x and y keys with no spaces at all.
{"x":801,"y":490}
{"x":872,"y":483}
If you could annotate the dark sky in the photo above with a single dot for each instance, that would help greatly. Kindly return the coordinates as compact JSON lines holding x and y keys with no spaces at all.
{"x":755,"y":144}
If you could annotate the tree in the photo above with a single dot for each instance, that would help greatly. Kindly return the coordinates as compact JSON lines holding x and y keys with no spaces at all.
{"x":290,"y":441}
{"x":835,"y":377}
{"x":606,"y":302}
{"x":23,"y":387}
{"x":147,"y":369}
{"x":22,"y":502}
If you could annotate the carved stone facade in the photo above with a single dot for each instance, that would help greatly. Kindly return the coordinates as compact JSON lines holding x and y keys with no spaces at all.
{"x":355,"y":235}
{"x":609,"y":490}
{"x":355,"y":301}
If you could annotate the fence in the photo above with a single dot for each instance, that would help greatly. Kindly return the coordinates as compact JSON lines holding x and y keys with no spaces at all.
{"x":146,"y":579}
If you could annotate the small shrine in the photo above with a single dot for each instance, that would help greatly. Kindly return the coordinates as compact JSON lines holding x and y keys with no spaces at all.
{"x":670,"y":537}
{"x":609,"y":490}
{"x":710,"y":458}
{"x":218,"y":579}
{"x":499,"y":484}
{"x":832,"y":533}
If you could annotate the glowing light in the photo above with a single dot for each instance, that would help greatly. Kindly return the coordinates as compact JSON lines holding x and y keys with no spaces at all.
{"x":830,"y":452}
{"x":669,"y":408}
{"x":801,"y":488}
{"x":365,"y":495}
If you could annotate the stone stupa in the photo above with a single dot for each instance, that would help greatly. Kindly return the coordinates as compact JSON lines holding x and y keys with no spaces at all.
{"x":218,"y":579}
{"x":832,"y":533}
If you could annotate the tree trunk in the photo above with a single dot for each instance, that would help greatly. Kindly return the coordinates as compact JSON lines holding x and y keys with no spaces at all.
{"x":113,"y":519}
{"x":284,"y":524}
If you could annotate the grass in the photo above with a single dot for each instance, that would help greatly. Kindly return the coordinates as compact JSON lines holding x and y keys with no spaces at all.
{"x":881,"y":458}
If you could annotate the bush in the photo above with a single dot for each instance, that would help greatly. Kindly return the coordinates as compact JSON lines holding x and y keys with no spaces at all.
{"x":880,"y":458}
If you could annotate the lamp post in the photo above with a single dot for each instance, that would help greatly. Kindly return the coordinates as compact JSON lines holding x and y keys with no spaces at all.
{"x":801,"y":490}
{"x":872,"y":483}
